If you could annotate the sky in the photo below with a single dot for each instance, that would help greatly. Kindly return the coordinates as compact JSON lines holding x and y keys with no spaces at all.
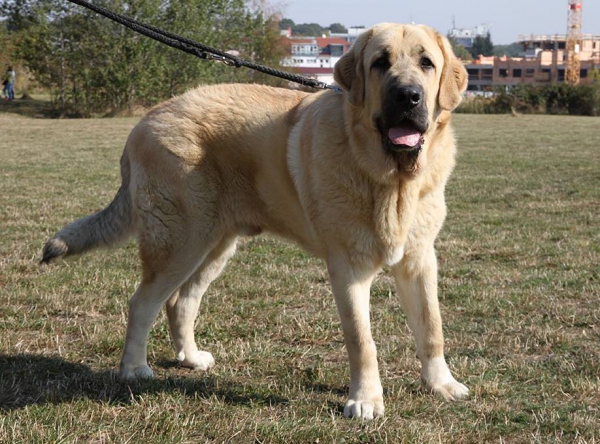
{"x":508,"y":18}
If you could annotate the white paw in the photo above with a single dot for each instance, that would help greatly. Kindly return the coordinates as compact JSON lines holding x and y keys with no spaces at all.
{"x":199,"y":360}
{"x":131,"y":372}
{"x":437,"y":377}
{"x":451,"y":391}
{"x":363,"y":409}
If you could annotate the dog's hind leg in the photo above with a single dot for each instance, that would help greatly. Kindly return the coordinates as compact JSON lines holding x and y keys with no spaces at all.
{"x":164,"y":271}
{"x":182,"y":307}
{"x":144,"y":306}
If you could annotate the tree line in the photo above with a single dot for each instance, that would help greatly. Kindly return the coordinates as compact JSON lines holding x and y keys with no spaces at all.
{"x":311,"y":29}
{"x":552,"y":98}
{"x":93,"y":66}
{"x":483,"y":45}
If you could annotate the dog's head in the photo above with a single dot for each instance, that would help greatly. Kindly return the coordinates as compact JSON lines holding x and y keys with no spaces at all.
{"x":399,"y":79}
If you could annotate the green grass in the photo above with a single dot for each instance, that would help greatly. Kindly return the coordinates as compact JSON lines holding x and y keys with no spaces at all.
{"x":519,"y":291}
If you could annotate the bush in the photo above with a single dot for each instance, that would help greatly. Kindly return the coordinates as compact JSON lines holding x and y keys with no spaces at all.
{"x":554,"y":98}
{"x":585,"y":100}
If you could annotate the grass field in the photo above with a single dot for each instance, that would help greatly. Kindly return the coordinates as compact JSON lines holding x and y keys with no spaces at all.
{"x":519,"y":291}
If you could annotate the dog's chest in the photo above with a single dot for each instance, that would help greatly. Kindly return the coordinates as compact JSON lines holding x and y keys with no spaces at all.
{"x":394,"y":215}
{"x":391,"y":242}
{"x":393,"y":255}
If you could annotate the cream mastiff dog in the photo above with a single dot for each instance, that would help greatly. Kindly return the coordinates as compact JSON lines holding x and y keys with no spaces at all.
{"x":357,"y":179}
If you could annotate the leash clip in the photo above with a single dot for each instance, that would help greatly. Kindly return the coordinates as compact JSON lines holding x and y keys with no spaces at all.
{"x":323,"y":85}
{"x":335,"y":88}
{"x":218,"y":58}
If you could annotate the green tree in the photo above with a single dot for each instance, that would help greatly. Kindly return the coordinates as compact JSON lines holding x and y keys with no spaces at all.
{"x":337,"y":28}
{"x":93,"y":65}
{"x":512,"y":50}
{"x":459,"y":50}
{"x":286,"y":23}
{"x":482,"y":45}
{"x":308,"y":30}
{"x":594,"y":75}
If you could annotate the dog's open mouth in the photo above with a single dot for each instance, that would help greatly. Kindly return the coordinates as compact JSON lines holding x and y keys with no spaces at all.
{"x":405,"y":137}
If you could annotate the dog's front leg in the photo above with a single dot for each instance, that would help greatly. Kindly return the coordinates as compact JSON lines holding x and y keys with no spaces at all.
{"x":416,"y":284}
{"x":351,"y":290}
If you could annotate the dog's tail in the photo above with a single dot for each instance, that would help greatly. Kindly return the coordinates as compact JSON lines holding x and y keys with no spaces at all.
{"x":108,"y":227}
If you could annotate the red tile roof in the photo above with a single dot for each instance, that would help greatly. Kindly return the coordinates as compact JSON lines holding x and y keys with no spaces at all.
{"x":325,"y":41}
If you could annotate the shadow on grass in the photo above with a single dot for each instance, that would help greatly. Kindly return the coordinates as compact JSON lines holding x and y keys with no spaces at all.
{"x":29,"y":107}
{"x":34,"y":379}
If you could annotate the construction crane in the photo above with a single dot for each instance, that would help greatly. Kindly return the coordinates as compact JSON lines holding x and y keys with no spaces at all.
{"x":574,"y":37}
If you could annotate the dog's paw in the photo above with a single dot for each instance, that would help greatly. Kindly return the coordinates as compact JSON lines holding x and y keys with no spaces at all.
{"x":363,"y":409}
{"x":437,"y":378}
{"x":131,"y":372}
{"x":451,"y":391}
{"x":199,"y":360}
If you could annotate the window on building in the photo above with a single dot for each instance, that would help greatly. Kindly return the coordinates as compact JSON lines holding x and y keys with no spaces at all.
{"x":487,"y":74}
{"x":473,"y":74}
{"x":561,"y":75}
{"x":546,"y":75}
{"x":517,"y":73}
{"x":503,"y":72}
{"x":583,"y":73}
{"x":529,"y":72}
{"x":336,"y":50}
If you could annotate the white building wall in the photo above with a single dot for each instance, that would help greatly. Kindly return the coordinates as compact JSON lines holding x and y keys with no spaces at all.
{"x":299,"y":61}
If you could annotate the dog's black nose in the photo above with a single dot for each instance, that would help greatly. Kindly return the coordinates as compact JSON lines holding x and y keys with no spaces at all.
{"x":409,"y":96}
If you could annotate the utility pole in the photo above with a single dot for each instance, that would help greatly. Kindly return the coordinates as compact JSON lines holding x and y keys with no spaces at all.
{"x":574,"y":41}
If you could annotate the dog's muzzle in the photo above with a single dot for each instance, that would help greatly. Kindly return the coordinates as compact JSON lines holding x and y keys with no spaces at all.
{"x":404,"y":119}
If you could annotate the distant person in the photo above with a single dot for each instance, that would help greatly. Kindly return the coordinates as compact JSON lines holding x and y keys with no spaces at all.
{"x":9,"y":84}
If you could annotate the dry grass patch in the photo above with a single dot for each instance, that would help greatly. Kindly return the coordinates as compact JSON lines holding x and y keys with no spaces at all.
{"x":518,"y":287}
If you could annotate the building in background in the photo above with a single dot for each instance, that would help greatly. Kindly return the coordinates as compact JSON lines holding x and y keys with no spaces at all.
{"x":542,"y":60}
{"x":466,"y":36}
{"x":349,"y":36}
{"x":315,"y":57}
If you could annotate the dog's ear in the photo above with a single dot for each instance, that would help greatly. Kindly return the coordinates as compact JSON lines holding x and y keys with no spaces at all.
{"x":349,"y":71}
{"x":454,"y":77}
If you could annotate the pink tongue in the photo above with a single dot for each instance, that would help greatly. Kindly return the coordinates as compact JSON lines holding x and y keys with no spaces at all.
{"x":401,"y":135}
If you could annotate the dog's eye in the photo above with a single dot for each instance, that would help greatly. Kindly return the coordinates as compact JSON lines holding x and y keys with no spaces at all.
{"x":382,"y":62}
{"x":426,"y":63}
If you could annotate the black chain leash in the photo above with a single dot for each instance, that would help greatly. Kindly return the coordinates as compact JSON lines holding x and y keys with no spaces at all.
{"x":200,"y":50}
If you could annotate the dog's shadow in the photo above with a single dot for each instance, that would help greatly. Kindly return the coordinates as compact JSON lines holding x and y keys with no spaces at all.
{"x":36,"y":379}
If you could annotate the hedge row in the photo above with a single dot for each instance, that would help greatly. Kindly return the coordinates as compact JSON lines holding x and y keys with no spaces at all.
{"x":554,"y":98}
